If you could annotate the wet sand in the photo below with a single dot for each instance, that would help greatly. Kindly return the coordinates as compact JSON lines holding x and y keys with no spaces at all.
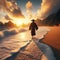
{"x":31,"y":52}
{"x":53,"y":40}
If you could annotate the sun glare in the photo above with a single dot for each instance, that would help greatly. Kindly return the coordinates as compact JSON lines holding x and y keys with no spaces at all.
{"x":20,"y":22}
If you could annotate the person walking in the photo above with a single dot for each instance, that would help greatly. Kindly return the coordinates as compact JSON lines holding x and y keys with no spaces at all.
{"x":33,"y":27}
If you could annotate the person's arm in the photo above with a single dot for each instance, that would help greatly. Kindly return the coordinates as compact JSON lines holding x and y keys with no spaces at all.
{"x":36,"y":27}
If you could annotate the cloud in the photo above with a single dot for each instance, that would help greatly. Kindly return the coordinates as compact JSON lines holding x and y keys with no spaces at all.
{"x":12,"y":9}
{"x":28,"y":5}
{"x":47,"y":7}
{"x":7,"y":17}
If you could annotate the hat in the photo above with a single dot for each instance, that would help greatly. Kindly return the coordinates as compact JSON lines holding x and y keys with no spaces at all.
{"x":32,"y":20}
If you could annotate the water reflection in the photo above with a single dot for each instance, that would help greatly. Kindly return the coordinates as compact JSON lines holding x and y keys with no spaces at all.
{"x":24,"y":36}
{"x":15,"y":42}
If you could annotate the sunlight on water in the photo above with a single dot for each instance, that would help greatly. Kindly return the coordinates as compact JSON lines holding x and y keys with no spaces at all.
{"x":12,"y":44}
{"x":24,"y":36}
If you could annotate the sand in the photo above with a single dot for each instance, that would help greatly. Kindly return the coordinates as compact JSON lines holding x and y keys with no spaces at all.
{"x":31,"y":52}
{"x":53,"y":40}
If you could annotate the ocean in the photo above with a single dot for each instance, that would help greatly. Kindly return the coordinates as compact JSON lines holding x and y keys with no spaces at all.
{"x":11,"y":41}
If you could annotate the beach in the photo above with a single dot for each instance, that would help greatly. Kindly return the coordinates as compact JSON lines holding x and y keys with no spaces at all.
{"x":31,"y":52}
{"x":22,"y":47}
{"x":36,"y":49}
{"x":53,"y":40}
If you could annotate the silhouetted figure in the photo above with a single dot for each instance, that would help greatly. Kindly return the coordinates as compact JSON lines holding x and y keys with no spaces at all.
{"x":33,"y":27}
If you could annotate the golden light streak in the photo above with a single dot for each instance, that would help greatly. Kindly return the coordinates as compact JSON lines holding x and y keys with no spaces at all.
{"x":20,"y":21}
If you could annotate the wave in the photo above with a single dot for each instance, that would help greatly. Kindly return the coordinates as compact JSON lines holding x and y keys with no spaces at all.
{"x":13,"y":44}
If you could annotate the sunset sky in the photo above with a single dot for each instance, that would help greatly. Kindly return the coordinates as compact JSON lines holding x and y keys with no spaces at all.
{"x":35,"y":4}
{"x":16,"y":9}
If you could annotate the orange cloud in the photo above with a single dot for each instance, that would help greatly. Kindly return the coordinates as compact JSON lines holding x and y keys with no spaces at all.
{"x":28,"y":9}
{"x":46,"y":7}
{"x":13,"y":11}
{"x":28,"y":5}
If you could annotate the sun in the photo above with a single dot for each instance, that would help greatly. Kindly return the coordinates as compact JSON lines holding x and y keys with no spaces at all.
{"x":20,"y":21}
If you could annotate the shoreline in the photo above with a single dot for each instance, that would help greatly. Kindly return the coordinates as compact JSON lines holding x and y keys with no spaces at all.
{"x":16,"y":55}
{"x":52,"y":40}
{"x":55,"y":51}
{"x":43,"y":41}
{"x":13,"y":56}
